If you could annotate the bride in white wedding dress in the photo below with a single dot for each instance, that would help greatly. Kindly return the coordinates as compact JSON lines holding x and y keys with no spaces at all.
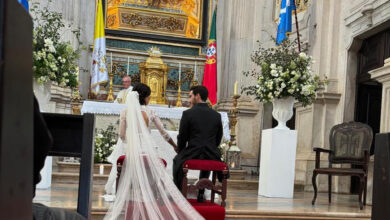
{"x":145,"y":190}
{"x":119,"y":150}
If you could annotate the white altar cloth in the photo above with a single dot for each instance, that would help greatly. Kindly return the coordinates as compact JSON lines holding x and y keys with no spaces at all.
{"x":106,"y":108}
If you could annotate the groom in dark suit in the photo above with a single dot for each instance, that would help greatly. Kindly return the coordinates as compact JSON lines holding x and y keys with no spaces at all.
{"x":200,"y":134}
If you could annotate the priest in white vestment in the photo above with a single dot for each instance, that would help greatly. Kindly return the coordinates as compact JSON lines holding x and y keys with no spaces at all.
{"x":121,"y":97}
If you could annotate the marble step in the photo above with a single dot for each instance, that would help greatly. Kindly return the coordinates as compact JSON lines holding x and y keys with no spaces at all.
{"x":243,"y":184}
{"x":67,"y":167}
{"x":238,"y":174}
{"x":73,"y":178}
{"x":98,"y":214}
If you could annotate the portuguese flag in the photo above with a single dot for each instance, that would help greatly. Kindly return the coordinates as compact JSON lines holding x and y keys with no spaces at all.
{"x":210,"y":68}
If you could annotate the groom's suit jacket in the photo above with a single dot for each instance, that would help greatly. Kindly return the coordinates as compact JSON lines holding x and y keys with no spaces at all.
{"x":200,"y":133}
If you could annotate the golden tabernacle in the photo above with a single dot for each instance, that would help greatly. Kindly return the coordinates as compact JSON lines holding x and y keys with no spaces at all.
{"x":154,"y":73}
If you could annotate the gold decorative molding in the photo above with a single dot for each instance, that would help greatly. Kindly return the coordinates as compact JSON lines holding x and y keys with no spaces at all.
{"x":182,"y":18}
{"x":156,"y":42}
{"x":133,"y":19}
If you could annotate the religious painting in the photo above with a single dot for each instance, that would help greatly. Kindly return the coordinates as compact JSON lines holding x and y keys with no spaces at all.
{"x":177,"y":19}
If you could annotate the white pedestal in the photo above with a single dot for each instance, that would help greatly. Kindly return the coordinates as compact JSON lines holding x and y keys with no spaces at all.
{"x":277,"y":163}
{"x":46,"y":174}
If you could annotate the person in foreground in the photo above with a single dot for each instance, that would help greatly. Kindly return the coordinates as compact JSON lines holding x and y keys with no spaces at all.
{"x":200,"y":134}
{"x":150,"y":117}
{"x":145,"y":189}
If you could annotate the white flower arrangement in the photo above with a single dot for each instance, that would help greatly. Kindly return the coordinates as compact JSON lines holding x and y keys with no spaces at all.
{"x":105,"y":141}
{"x":53,"y":60}
{"x":284,"y":73}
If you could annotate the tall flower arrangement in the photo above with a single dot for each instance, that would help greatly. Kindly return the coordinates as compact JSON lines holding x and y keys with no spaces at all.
{"x":53,"y":59}
{"x":284,"y":72}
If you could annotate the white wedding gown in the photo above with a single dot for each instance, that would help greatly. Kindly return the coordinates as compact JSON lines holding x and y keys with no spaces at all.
{"x":145,"y":189}
{"x":119,"y":147}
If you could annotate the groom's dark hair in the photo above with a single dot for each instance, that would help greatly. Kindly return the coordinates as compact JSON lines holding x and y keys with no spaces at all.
{"x":202,"y":91}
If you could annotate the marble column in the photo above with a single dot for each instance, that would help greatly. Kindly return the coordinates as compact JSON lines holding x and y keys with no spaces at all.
{"x":382,"y":75}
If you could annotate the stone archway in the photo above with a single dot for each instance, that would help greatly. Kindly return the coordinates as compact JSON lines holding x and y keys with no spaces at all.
{"x":352,"y":83}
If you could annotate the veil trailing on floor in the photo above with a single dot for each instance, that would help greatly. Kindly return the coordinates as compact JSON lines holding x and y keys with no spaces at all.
{"x":145,"y":189}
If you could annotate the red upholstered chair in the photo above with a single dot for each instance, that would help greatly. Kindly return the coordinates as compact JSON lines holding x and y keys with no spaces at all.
{"x":208,"y":209}
{"x":119,"y":164}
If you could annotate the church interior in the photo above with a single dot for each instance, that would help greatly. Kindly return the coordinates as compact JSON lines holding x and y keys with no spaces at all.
{"x":319,"y":151}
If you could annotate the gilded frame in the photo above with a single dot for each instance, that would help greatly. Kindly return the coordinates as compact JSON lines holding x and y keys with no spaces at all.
{"x":159,"y":36}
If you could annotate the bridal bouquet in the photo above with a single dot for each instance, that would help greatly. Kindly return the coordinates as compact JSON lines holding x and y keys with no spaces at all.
{"x":53,"y":60}
{"x":285,"y":72}
{"x":105,"y":141}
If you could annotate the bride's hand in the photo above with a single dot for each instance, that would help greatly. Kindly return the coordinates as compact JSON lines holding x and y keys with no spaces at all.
{"x":171,"y":142}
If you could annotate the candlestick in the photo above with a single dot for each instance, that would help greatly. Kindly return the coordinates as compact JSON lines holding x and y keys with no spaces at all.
{"x":110,"y":96}
{"x":111,"y":61}
{"x":128,"y":62}
{"x":178,"y":102}
{"x":179,"y":71}
{"x":235,"y":88}
{"x":77,"y":74}
{"x":196,"y":72}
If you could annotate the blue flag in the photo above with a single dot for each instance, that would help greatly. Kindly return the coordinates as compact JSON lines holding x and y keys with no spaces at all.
{"x":285,"y":20}
{"x":24,"y":3}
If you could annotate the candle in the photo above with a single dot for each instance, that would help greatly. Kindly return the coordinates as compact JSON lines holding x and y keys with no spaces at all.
{"x":128,"y":62}
{"x":235,"y":88}
{"x":111,"y":61}
{"x":196,"y":72}
{"x":77,"y":73}
{"x":179,"y":71}
{"x":101,"y":169}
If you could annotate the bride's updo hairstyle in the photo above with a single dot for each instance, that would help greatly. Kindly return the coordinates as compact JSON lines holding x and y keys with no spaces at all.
{"x":143,"y":92}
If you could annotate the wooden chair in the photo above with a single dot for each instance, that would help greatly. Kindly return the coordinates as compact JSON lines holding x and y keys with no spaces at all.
{"x":349,"y":144}
{"x":208,"y":209}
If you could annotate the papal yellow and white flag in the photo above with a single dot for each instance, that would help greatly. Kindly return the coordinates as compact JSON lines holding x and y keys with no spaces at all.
{"x":99,"y":73}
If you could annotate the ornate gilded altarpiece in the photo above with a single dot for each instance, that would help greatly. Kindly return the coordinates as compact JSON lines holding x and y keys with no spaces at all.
{"x":173,"y":20}
{"x":177,"y":28}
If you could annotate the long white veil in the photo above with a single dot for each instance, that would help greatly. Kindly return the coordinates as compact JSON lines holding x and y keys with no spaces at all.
{"x":145,"y":189}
